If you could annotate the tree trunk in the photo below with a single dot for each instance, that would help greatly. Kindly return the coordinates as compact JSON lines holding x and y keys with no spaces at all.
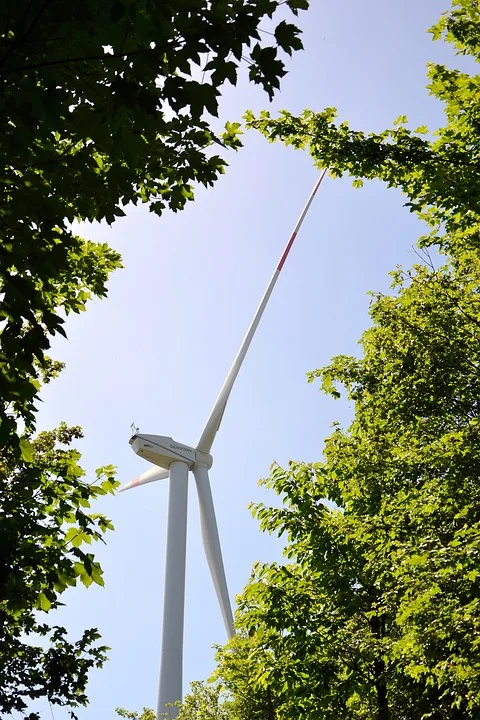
{"x":381,"y":688}
{"x":377,"y":626}
{"x":271,"y":709}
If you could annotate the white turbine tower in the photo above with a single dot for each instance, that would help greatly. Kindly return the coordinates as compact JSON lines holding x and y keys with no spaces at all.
{"x":174,"y":460}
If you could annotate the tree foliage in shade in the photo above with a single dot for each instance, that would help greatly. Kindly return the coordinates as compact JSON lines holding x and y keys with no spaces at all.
{"x":106,"y":103}
{"x":103,"y":104}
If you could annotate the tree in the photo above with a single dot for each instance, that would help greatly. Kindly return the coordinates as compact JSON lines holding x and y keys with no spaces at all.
{"x":241,"y":660}
{"x":205,"y":701}
{"x":45,"y":519}
{"x":228,"y":694}
{"x":104,"y":104}
{"x":377,"y":612}
{"x":146,"y":714}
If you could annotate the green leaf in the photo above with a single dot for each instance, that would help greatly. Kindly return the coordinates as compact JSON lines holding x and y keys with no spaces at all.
{"x":43,"y":603}
{"x":74,"y":537}
{"x":286,"y":36}
{"x":26,"y":448}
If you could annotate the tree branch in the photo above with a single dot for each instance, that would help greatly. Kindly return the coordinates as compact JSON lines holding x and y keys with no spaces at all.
{"x":87,"y":58}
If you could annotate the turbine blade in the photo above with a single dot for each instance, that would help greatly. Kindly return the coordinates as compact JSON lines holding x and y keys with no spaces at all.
{"x":211,"y":543}
{"x":154,"y":473}
{"x":213,"y":423}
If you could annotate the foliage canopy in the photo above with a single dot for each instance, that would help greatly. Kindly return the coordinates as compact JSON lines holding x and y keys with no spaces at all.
{"x":104,"y":103}
{"x":46,"y":524}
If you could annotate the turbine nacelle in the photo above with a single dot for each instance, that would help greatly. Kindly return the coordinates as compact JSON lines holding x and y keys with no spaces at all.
{"x":163,"y":451}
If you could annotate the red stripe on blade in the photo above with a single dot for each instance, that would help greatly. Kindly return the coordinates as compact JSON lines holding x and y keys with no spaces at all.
{"x":286,"y":251}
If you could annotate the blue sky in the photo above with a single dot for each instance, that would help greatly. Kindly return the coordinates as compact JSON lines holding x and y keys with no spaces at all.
{"x":157,"y":350}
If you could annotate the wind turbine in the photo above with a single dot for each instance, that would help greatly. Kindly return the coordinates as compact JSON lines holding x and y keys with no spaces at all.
{"x":174,"y":460}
